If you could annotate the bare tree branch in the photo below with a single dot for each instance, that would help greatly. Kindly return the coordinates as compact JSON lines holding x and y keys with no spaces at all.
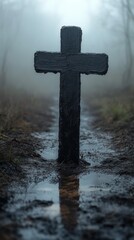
{"x":128,"y":5}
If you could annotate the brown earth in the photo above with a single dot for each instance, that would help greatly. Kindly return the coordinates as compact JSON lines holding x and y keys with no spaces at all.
{"x":17,"y":144}
{"x":19,"y":160}
{"x":123,"y":140}
{"x":114,"y":113}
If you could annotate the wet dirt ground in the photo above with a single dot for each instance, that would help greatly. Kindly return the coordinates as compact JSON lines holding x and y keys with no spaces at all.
{"x":91,"y":201}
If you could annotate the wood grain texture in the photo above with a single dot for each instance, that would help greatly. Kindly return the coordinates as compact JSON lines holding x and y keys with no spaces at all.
{"x":82,"y":63}
{"x":70,"y":63}
{"x":69,"y":121}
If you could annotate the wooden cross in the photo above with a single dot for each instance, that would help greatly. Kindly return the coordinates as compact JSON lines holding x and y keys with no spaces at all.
{"x":70,"y":63}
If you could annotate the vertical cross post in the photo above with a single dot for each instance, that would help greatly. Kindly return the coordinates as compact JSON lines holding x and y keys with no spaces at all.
{"x":69,"y":119}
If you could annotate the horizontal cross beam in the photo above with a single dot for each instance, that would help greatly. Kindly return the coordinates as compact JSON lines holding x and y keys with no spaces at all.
{"x":81,"y":62}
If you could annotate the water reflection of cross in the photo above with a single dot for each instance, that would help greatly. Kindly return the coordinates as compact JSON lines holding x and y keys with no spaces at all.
{"x":70,"y":63}
{"x":69,"y":199}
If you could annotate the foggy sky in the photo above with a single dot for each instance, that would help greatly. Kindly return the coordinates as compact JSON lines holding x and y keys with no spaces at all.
{"x":39,"y":29}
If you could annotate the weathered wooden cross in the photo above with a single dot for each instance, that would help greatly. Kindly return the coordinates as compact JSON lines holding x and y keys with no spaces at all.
{"x":70,"y":63}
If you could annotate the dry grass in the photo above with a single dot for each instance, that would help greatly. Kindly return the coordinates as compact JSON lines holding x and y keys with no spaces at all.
{"x":15,"y":109}
{"x":118,"y":109}
{"x":115,"y":106}
{"x":20,"y":114}
{"x":11,"y":108}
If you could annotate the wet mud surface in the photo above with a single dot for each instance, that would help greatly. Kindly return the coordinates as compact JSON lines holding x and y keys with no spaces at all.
{"x":91,"y":201}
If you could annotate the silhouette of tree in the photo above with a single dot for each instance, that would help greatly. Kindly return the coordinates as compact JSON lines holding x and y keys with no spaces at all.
{"x":10,"y":19}
{"x":124,"y":18}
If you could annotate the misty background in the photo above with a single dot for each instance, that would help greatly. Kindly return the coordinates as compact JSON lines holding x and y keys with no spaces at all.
{"x":27,"y":26}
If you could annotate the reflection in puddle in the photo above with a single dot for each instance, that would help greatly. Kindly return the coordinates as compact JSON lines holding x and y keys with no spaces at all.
{"x":69,"y":200}
{"x":45,"y":204}
{"x":96,"y":182}
{"x":44,"y":208}
{"x":42,"y":193}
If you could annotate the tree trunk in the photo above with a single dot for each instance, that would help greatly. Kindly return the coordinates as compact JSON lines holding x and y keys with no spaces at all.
{"x":127,"y":77}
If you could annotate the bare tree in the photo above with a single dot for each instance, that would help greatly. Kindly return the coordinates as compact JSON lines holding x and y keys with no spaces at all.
{"x":124,"y":19}
{"x":10,"y":19}
{"x":128,"y":19}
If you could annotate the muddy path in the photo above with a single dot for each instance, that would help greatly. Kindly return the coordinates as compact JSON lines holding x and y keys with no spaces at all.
{"x":92,"y":201}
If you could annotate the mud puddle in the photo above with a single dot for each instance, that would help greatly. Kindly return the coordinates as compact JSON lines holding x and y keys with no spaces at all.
{"x":95,"y":146}
{"x":71,"y":204}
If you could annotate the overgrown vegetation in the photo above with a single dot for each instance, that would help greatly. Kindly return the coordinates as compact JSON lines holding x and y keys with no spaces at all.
{"x":20,"y":114}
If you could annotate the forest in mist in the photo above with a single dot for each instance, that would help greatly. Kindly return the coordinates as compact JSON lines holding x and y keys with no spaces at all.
{"x":28,"y":26}
{"x":66,"y":163}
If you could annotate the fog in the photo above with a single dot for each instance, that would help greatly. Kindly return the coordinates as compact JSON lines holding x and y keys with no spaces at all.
{"x":30,"y":26}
